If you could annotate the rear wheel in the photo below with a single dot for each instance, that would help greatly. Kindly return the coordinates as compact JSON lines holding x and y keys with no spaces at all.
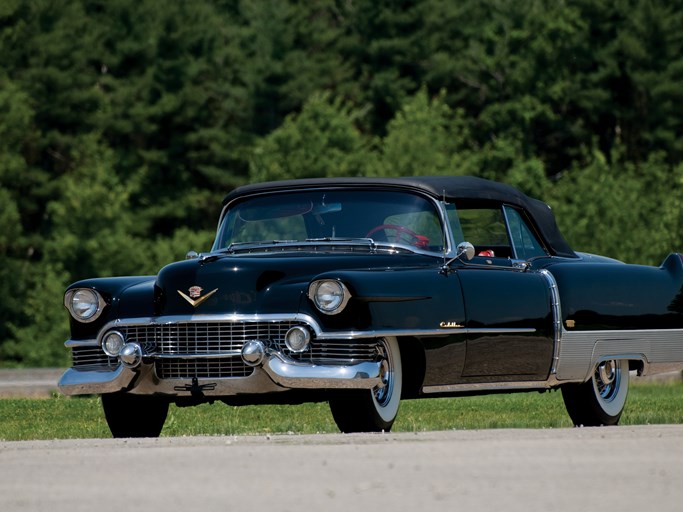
{"x":134,"y":415}
{"x":374,"y":410}
{"x":601,"y":399}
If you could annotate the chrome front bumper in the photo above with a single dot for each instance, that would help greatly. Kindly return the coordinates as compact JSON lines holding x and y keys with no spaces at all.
{"x":275,"y":373}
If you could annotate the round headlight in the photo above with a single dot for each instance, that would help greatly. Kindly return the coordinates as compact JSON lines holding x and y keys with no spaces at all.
{"x":112,"y":343}
{"x":297,"y":339}
{"x":84,"y":304}
{"x":329,"y":296}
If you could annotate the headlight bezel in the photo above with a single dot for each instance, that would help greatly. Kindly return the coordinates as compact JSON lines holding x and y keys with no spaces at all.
{"x":97,"y":304}
{"x":319,"y":293}
{"x":106,"y":348}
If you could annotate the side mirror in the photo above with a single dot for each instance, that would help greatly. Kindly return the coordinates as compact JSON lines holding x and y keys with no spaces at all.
{"x":191,"y":255}
{"x":465,"y":249}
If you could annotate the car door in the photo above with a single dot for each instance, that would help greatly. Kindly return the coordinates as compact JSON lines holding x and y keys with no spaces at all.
{"x":509,"y":317}
{"x":508,"y":323}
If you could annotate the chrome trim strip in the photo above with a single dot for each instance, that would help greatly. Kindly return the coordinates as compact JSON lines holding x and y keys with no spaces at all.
{"x":308,"y":320}
{"x":205,"y":355}
{"x":449,"y":248}
{"x":500,"y":330}
{"x":548,"y":383}
{"x":505,"y":207}
{"x":381,"y":333}
{"x":81,"y":343}
{"x":557,"y":318}
{"x":169,"y":320}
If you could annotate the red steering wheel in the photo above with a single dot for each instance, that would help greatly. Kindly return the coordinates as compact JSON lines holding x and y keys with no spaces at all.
{"x":419,"y":241}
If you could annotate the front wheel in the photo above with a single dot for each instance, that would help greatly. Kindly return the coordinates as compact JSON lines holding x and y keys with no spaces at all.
{"x":374,"y":410}
{"x":134,"y":415}
{"x":601,"y":399}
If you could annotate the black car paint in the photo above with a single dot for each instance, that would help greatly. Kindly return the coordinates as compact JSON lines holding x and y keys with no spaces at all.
{"x":390,"y":292}
{"x":614,"y":296}
{"x":412,"y":292}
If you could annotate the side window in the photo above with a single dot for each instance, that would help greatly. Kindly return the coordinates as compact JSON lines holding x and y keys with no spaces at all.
{"x":523,"y":239}
{"x":454,"y":221}
{"x":485,"y":229}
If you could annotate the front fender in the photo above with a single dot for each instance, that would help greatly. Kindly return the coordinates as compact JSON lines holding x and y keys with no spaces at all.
{"x":411,"y":299}
{"x":139,"y":297}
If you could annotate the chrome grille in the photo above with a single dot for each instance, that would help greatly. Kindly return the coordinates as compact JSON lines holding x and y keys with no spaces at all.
{"x":342,"y":352}
{"x":183,"y":350}
{"x":171,"y":341}
{"x":92,"y":358}
{"x":204,"y":337}
{"x":212,"y":368}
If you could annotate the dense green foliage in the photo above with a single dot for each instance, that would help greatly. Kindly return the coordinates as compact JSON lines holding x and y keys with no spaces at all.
{"x":124,"y":122}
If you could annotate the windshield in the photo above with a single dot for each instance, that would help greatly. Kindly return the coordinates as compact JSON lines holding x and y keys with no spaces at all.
{"x":398,"y":218}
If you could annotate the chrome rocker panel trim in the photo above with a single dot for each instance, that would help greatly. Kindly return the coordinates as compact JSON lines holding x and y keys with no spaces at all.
{"x":658,"y":349}
{"x":541,"y":385}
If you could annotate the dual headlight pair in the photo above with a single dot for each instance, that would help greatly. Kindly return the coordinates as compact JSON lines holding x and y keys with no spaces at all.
{"x":329,"y":296}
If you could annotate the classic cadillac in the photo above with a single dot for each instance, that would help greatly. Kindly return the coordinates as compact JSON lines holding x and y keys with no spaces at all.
{"x":362,"y":292}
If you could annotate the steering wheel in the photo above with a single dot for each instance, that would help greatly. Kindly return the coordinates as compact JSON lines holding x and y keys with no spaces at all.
{"x":419,"y":241}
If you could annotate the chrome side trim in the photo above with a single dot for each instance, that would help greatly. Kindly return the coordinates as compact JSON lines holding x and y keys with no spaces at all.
{"x":81,"y":343}
{"x":581,"y":351}
{"x":308,"y":320}
{"x":380,"y":333}
{"x":509,"y":233}
{"x":557,"y":318}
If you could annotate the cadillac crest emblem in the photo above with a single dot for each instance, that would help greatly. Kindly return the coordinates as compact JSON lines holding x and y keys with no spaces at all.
{"x":195,"y":295}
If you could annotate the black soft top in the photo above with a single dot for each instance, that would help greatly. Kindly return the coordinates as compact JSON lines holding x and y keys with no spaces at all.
{"x":458,"y":189}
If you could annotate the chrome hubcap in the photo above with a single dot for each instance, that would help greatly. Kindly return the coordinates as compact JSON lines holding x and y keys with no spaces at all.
{"x":607,"y":377}
{"x":383,"y":391}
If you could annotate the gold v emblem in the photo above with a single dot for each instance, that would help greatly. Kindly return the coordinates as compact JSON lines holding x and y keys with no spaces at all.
{"x":196,"y":302}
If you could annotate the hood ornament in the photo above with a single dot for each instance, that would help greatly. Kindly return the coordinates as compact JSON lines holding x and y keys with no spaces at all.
{"x":195,"y":295}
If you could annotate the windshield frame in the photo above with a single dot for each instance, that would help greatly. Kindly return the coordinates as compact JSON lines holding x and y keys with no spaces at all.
{"x":315,"y":244}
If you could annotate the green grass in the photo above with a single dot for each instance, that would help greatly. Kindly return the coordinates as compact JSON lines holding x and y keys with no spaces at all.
{"x":61,"y":417}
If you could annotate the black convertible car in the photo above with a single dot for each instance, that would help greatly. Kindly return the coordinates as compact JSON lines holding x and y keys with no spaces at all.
{"x":363,"y":292}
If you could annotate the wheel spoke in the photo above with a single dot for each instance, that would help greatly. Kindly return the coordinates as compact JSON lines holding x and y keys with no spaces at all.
{"x":607,"y":376}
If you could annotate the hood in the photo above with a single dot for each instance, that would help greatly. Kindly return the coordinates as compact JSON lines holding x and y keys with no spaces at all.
{"x":249,"y":284}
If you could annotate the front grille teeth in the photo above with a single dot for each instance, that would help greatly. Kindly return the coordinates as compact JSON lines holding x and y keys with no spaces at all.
{"x":208,"y":350}
{"x":92,"y":358}
{"x":213,"y":368}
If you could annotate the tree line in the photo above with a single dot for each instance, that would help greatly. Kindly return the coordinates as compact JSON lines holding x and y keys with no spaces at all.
{"x":123,"y":123}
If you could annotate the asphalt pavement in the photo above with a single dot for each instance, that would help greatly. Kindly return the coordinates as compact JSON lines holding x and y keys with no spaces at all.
{"x":511,"y":470}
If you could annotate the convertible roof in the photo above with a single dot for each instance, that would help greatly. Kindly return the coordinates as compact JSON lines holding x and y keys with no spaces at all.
{"x":458,"y":189}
